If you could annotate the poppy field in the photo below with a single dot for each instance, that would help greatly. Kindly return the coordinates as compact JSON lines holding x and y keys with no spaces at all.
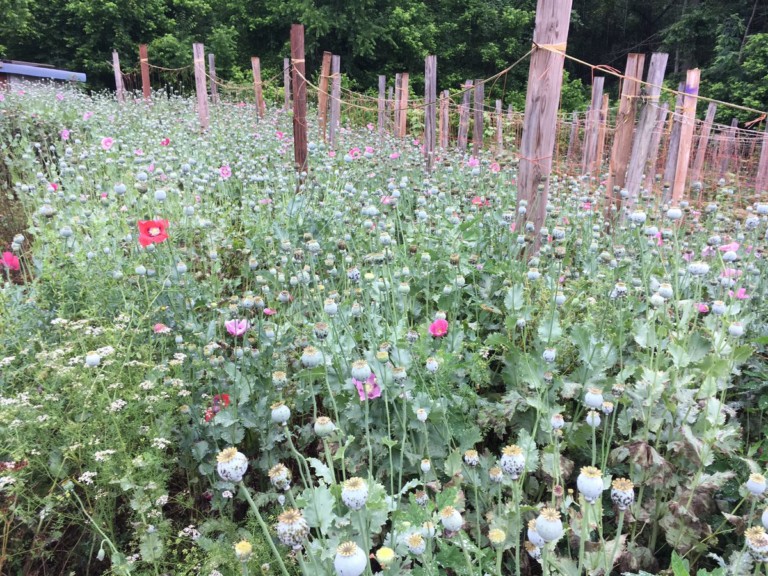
{"x":210,"y":364}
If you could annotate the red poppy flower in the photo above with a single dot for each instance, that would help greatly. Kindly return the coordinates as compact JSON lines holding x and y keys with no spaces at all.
{"x":152,"y":231}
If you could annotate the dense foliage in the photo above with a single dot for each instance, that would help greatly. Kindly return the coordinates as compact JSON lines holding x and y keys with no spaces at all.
{"x":472,"y":38}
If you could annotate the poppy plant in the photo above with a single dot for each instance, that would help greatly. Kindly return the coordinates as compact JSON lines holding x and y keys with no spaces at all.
{"x":438,"y":328}
{"x":369,"y":389}
{"x":152,"y":232}
{"x":236,"y":327}
{"x":10,"y":261}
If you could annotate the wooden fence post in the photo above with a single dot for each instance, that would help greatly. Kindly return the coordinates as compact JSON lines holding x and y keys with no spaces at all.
{"x":287,"y":70}
{"x":398,"y":91}
{"x":690,"y":98}
{"x":212,"y":78}
{"x":701,"y":148}
{"x":646,"y":124}
{"x":256,"y":69}
{"x":445,"y":126}
{"x":198,"y":53}
{"x":761,"y":182}
{"x":592,"y":127}
{"x":322,"y":96}
{"x":673,"y":146}
{"x":403,"y":105}
{"x":573,"y":138}
{"x":119,"y":90}
{"x":728,"y":148}
{"x":299,"y":97}
{"x":479,"y":109}
{"x":545,"y":79}
{"x":656,"y":135}
{"x":601,"y":131}
{"x":464,"y":115}
{"x":499,"y":128}
{"x":430,"y":109}
{"x":144,"y":65}
{"x":335,"y":100}
{"x":391,"y":110}
{"x":381,"y":103}
{"x":625,"y":122}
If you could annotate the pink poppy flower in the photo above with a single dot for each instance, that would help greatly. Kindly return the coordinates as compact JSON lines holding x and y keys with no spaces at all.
{"x":387,"y":200}
{"x":269,"y":312}
{"x":732,"y":247}
{"x":236,"y":327}
{"x":165,"y":142}
{"x":161,"y":328}
{"x":495,"y":167}
{"x":659,"y":240}
{"x":59,"y":96}
{"x":730,"y":273}
{"x":369,"y":126}
{"x":740,"y":294}
{"x":225,"y":171}
{"x":139,"y":152}
{"x":332,"y":154}
{"x":369,"y":389}
{"x":438,"y":328}
{"x":586,"y":205}
{"x":354,"y":152}
{"x":369,"y":150}
{"x":279,"y":135}
{"x":473,"y":162}
{"x":151,"y":167}
{"x":394,"y":156}
{"x":106,"y":143}
{"x":265,"y":201}
{"x":10,"y":261}
{"x":702,"y":308}
{"x":480,"y":201}
{"x":53,"y":186}
{"x":87,"y":115}
{"x":64,"y":134}
{"x":707,"y":251}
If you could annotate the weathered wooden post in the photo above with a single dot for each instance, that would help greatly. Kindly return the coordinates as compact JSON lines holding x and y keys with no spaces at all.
{"x":479,"y":108}
{"x":728,"y":148}
{"x":601,"y":131}
{"x":212,"y":78}
{"x":391,"y":110}
{"x":545,"y":79}
{"x":381,"y":104}
{"x":333,"y":127}
{"x":256,"y":69}
{"x":119,"y":90}
{"x":690,"y":98}
{"x":761,"y":182}
{"x":673,"y":147}
{"x":625,"y":122}
{"x":464,"y":115}
{"x":322,"y":96}
{"x":444,"y":119}
{"x":430,"y":109}
{"x":144,"y":65}
{"x":287,"y":71}
{"x":588,"y":157}
{"x":398,"y":91}
{"x":646,"y":124}
{"x":198,"y":53}
{"x":701,"y":148}
{"x":653,"y":148}
{"x":403,"y":105}
{"x":299,"y":97}
{"x":499,"y":128}
{"x":573,"y":138}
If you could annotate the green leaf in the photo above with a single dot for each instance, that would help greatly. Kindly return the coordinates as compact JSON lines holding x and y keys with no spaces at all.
{"x":513,"y":301}
{"x":200,"y":450}
{"x":679,"y":566}
{"x":318,"y":504}
{"x":322,"y":471}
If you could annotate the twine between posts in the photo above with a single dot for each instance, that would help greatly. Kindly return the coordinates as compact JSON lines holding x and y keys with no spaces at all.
{"x":559,"y":47}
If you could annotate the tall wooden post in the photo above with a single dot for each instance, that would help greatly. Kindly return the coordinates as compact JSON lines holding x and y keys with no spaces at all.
{"x":382,"y":104}
{"x":212,"y":79}
{"x":444,"y":119}
{"x":701,"y":148}
{"x":545,"y":80}
{"x":333,"y":127}
{"x":646,"y":124}
{"x":144,"y":65}
{"x":653,"y":148}
{"x":588,"y":158}
{"x":479,"y":108}
{"x":403,"y":105}
{"x":673,"y":146}
{"x":499,"y":128}
{"x":728,"y":147}
{"x":299,"y":97}
{"x":256,"y":69}
{"x":761,"y":182}
{"x":198,"y":53}
{"x":430,"y":109}
{"x":119,"y":90}
{"x":464,"y":115}
{"x":287,"y":84}
{"x":573,"y":138}
{"x":601,"y":130}
{"x":625,"y":121}
{"x":690,"y":98}
{"x":391,"y":110}
{"x":322,"y":96}
{"x":398,"y":91}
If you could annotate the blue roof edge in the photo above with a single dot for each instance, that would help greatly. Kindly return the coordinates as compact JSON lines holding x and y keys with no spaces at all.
{"x":38,"y":72}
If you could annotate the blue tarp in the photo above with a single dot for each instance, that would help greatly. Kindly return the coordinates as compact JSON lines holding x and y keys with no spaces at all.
{"x":38,"y":72}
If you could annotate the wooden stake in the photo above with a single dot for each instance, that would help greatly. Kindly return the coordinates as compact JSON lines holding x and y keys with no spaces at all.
{"x":499,"y":128}
{"x":761,"y":182}
{"x":728,"y":148}
{"x":601,"y":130}
{"x":430,"y":109}
{"x":119,"y":90}
{"x":646,"y":124}
{"x":686,"y":133}
{"x":573,"y":139}
{"x":256,"y":69}
{"x":588,"y":158}
{"x":144,"y":65}
{"x":653,"y":155}
{"x":299,"y":98}
{"x":390,"y":110}
{"x":212,"y":79}
{"x":198,"y":52}
{"x":287,"y":70}
{"x":673,"y":147}
{"x":445,"y":126}
{"x":403,"y":105}
{"x":701,"y":148}
{"x":335,"y":100}
{"x":322,"y":96}
{"x":381,"y":103}
{"x":625,"y":122}
{"x":479,"y":105}
{"x":398,"y":92}
{"x":545,"y":79}
{"x":464,"y":115}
